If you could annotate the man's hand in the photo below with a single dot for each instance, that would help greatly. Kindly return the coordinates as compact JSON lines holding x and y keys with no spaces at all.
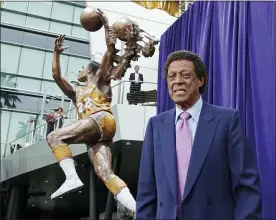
{"x":58,"y":47}
{"x":110,"y":36}
{"x":103,"y":17}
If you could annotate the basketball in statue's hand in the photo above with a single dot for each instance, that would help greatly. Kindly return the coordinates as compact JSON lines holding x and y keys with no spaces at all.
{"x":90,"y":20}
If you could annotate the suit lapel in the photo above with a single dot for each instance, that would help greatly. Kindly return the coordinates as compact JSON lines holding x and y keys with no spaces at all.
{"x":206,"y":128}
{"x":168,"y":150}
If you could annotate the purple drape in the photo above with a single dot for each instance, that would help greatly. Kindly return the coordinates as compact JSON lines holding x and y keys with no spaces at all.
{"x":236,"y":41}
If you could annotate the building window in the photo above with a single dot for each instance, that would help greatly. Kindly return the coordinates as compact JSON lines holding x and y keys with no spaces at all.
{"x":19,"y":82}
{"x":9,"y":99}
{"x":35,"y":40}
{"x":8,"y":80}
{"x":62,"y":12}
{"x":79,"y":48}
{"x":17,"y":6}
{"x":31,"y":62}
{"x":28,"y":84}
{"x":26,"y":103}
{"x":37,"y":23}
{"x":11,"y":35}
{"x":31,"y":103}
{"x":12,"y":18}
{"x":47,"y":70}
{"x":80,"y":32}
{"x":77,"y":13}
{"x":53,"y":104}
{"x":56,"y":27}
{"x":18,"y":127}
{"x":51,"y":88}
{"x":5,"y":121}
{"x":74,"y":46}
{"x":40,"y":8}
{"x":42,"y":41}
{"x":75,"y":64}
{"x":9,"y":58}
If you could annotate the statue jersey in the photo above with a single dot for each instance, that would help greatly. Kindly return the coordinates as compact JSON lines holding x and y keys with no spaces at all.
{"x":91,"y":100}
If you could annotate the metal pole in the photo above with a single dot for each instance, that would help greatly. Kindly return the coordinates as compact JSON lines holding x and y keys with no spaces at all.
{"x":61,"y":105}
{"x":32,"y":123}
{"x":43,"y":106}
{"x":26,"y":136}
{"x":6,"y":146}
{"x":42,"y":109}
{"x":119,"y":93}
{"x":12,"y":203}
{"x":110,"y":199}
{"x":62,"y":101}
{"x":92,"y":193}
{"x":69,"y":112}
{"x":123,"y":91}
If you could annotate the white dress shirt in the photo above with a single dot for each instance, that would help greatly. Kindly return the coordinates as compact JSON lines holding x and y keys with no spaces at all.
{"x":136,"y":77}
{"x":194,"y":111}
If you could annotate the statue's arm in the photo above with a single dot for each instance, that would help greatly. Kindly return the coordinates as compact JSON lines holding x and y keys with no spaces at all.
{"x":63,"y":84}
{"x":110,"y":39}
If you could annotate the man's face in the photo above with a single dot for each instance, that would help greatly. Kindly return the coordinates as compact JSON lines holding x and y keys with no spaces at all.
{"x":82,"y":76}
{"x":183,"y":84}
{"x":136,"y":68}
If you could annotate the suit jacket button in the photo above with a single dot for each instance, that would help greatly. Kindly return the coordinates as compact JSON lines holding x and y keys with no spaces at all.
{"x":209,"y":201}
{"x":161,"y":204}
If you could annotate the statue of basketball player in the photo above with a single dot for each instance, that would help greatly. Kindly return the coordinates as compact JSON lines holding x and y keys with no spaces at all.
{"x":96,"y":125}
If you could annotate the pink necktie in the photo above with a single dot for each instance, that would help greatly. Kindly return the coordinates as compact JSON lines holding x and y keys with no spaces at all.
{"x":183,"y":152}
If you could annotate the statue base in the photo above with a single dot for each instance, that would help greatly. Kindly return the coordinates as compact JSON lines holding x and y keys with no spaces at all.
{"x":124,"y":213}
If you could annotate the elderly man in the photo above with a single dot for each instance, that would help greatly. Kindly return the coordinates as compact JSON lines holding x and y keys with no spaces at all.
{"x":196,"y":163}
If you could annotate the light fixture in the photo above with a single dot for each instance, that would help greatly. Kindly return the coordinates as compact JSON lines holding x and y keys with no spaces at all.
{"x":75,"y":83}
{"x":33,"y":205}
{"x":80,"y":191}
{"x":46,"y":181}
{"x":60,"y":197}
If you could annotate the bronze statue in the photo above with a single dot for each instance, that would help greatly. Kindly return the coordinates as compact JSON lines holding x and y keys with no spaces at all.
{"x":96,"y":126}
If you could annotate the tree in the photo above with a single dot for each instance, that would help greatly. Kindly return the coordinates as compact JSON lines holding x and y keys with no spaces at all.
{"x":23,"y":128}
{"x":8,"y":99}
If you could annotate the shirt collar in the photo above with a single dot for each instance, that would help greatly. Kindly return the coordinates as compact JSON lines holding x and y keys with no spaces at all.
{"x":194,"y":111}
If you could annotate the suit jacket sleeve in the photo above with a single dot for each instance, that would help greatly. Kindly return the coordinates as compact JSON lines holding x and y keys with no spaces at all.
{"x":130,"y":76}
{"x":146,"y":194}
{"x":141,"y":78}
{"x":246,"y":186}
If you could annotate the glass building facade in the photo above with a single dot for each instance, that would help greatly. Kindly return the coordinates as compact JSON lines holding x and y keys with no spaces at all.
{"x":28,"y":31}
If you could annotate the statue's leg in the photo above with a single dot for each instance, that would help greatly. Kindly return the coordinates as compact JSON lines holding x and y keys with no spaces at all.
{"x":83,"y":131}
{"x":100,"y":156}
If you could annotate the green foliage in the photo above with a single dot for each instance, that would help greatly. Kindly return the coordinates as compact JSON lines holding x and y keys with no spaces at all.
{"x":22,"y":129}
{"x":8,"y":99}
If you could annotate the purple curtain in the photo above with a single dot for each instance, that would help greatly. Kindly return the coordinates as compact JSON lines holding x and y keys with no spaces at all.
{"x":236,"y":41}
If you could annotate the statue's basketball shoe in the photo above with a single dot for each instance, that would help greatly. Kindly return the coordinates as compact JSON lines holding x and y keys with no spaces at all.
{"x":72,"y":181}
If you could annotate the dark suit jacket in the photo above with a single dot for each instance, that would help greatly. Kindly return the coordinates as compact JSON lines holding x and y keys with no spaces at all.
{"x":132,"y":77}
{"x":223,"y":181}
